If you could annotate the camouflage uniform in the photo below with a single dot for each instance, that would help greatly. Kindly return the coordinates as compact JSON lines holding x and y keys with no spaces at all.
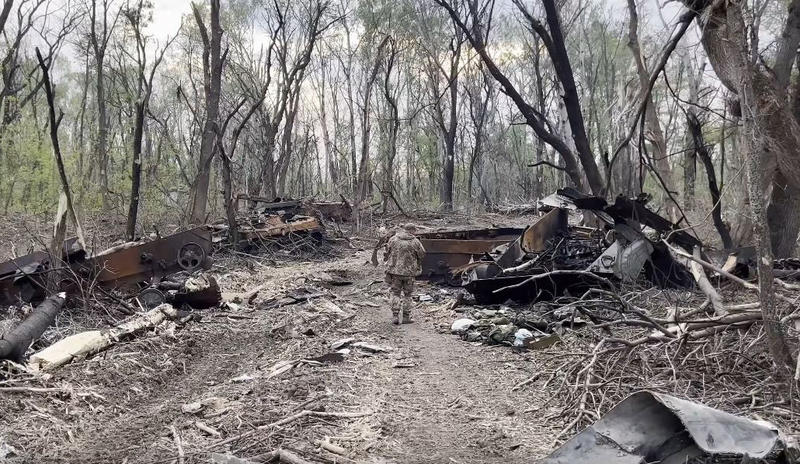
{"x":404,"y":254}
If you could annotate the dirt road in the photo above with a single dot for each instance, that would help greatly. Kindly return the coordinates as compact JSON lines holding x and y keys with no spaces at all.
{"x":453,"y":403}
{"x":180,"y":394}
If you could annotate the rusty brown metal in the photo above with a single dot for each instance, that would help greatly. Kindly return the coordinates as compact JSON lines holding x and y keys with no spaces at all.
{"x":535,"y":237}
{"x":330,"y":210}
{"x":447,"y":250}
{"x":188,"y":250}
{"x":22,"y":278}
{"x":124,"y":266}
{"x":276,"y":227}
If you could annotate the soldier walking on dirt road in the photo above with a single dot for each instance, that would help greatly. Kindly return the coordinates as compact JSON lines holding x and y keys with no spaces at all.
{"x":404,"y":254}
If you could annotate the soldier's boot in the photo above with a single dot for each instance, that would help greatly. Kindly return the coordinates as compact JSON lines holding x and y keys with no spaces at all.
{"x":407,"y":319}
{"x":396,"y":303}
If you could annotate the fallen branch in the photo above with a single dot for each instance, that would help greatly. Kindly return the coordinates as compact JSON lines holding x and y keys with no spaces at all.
{"x":31,"y":390}
{"x":547,"y":275}
{"x":178,"y":443}
{"x":705,"y":285}
{"x":726,"y":274}
{"x":289,"y":419}
{"x":209,"y":430}
{"x":94,"y":341}
{"x":306,"y":413}
{"x":527,"y":381}
{"x":711,"y":267}
{"x":335,"y":449}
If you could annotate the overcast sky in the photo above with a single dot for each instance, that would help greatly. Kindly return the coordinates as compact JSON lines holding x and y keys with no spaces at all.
{"x":167,"y":13}
{"x":167,"y":17}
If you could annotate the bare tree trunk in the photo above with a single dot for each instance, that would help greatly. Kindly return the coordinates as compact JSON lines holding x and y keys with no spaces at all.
{"x":99,"y":41}
{"x":783,"y":217}
{"x":757,"y":183}
{"x":213,"y":61}
{"x":144,"y":89}
{"x":563,"y":68}
{"x":690,"y":156}
{"x":136,"y":171}
{"x":62,"y":172}
{"x":393,"y":127}
{"x":554,"y":42}
{"x":448,"y":166}
{"x":701,"y":150}
{"x":364,"y":173}
{"x":655,"y":134}
{"x":724,"y":39}
{"x":286,"y":141}
{"x":230,"y":201}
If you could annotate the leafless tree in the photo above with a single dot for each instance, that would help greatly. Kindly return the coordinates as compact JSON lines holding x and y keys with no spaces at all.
{"x":553,"y":40}
{"x":213,"y":62}
{"x":143,"y":92}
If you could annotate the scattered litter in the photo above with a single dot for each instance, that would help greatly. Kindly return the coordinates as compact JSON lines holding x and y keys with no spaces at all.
{"x":460,"y":326}
{"x":243,"y":378}
{"x":522,"y":336}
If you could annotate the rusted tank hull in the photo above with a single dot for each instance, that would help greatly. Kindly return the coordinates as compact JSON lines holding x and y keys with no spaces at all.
{"x":188,"y":250}
{"x":447,"y":250}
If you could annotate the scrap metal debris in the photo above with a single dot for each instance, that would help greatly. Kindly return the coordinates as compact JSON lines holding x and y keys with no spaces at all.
{"x":653,"y":427}
{"x":446,"y":251}
{"x":284,"y":227}
{"x":22,"y":278}
{"x":552,"y":257}
{"x":268,"y":218}
{"x":124,"y":267}
{"x":531,"y":328}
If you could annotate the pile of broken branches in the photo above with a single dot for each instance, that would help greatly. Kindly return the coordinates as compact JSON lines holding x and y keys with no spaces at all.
{"x":648,"y":339}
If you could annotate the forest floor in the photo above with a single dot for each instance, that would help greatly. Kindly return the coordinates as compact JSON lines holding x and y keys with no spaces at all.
{"x":254,"y":377}
{"x":430,"y":398}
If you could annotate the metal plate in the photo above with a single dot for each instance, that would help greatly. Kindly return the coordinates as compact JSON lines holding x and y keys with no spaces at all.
{"x":447,"y":250}
{"x":143,"y":262}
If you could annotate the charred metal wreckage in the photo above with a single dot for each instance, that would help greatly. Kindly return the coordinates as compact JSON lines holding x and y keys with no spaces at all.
{"x":137,"y":268}
{"x":266,"y":219}
{"x":552,"y":257}
{"x":159,"y":270}
{"x":651,"y":427}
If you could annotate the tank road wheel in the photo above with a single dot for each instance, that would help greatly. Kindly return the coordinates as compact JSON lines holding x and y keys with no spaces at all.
{"x":191,"y":256}
{"x":151,"y":297}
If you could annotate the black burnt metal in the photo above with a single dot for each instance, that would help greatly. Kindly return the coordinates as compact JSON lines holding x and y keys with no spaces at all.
{"x":561,"y":247}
